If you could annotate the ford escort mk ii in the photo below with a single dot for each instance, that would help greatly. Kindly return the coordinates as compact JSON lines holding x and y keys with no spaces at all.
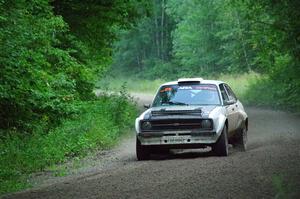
{"x":192,"y":113}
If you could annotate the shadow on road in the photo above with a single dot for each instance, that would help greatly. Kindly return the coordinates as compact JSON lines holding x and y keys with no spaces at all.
{"x":183,"y":154}
{"x":191,"y":153}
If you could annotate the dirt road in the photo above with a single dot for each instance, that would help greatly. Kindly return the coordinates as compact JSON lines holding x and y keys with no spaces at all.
{"x":269,"y":169}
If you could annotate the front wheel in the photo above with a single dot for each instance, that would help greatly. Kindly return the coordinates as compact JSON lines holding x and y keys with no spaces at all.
{"x":142,"y":152}
{"x":221,"y":146}
{"x":241,"y":141}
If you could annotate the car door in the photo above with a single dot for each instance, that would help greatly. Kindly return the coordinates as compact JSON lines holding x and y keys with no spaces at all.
{"x":233,"y":107}
{"x":230,"y":110}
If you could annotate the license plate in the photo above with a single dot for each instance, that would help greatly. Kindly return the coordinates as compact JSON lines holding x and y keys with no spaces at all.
{"x":171,"y":140}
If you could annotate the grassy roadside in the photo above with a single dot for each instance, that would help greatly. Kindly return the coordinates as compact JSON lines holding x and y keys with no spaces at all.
{"x":97,"y":124}
{"x":250,"y":88}
{"x":239,"y":83}
{"x":131,"y":84}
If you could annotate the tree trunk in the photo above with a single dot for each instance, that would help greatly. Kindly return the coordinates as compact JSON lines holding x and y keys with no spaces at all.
{"x":156,"y":32}
{"x":243,"y":42}
{"x":162,"y":29}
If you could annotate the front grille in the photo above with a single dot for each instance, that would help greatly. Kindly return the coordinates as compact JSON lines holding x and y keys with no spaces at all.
{"x":176,"y":112}
{"x":175,"y":124}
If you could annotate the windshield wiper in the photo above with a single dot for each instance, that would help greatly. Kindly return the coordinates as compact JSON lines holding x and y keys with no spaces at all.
{"x":177,"y":103}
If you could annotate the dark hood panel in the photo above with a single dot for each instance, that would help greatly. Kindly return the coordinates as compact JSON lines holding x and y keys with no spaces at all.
{"x":177,"y":112}
{"x":180,"y":111}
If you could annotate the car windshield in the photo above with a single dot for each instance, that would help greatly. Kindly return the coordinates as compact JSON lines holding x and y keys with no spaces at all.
{"x":184,"y":95}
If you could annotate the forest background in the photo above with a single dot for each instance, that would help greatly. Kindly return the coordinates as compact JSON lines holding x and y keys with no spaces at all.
{"x":54,"y":54}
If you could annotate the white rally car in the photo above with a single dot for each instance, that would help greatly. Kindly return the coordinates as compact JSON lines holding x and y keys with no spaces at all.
{"x":192,"y":113}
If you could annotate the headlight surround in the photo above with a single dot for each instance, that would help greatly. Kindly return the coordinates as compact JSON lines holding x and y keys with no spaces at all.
{"x":206,"y":124}
{"x":146,"y":125}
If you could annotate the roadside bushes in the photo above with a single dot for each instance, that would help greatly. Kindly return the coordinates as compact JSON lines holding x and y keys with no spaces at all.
{"x":42,"y":67}
{"x":96,"y":124}
{"x":272,"y":91}
{"x":48,"y":111}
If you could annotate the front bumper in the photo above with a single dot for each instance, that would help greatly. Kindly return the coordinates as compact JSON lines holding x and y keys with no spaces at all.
{"x":178,"y":138}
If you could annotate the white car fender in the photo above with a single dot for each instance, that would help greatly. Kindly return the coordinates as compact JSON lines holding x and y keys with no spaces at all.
{"x":137,"y":125}
{"x":242,"y":117}
{"x":219,"y":118}
{"x":137,"y":120}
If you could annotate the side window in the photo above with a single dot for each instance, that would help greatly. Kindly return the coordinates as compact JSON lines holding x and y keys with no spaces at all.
{"x":231,"y":94}
{"x":223,"y":93}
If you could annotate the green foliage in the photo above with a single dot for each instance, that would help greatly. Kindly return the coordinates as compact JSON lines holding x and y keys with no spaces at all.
{"x":95,"y":23}
{"x":97,"y":124}
{"x":163,"y":70}
{"x":194,"y":41}
{"x":206,"y":37}
{"x":50,"y":55}
{"x":146,"y":43}
{"x":267,"y":92}
{"x":220,"y":36}
{"x":52,"y":51}
{"x":277,"y":43}
{"x":132,"y":84}
{"x":40,"y":78}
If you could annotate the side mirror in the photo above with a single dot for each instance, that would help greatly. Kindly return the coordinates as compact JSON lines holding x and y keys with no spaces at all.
{"x":229,"y":102}
{"x":146,"y":106}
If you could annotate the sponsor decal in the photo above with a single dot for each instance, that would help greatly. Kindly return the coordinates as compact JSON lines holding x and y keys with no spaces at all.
{"x":193,"y":87}
{"x":185,"y":88}
{"x":206,"y":87}
{"x":198,"y":87}
{"x":166,"y":89}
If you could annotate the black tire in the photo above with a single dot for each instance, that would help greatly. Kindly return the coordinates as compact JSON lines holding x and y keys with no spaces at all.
{"x":241,"y":139}
{"x":142,"y":152}
{"x":220,"y":148}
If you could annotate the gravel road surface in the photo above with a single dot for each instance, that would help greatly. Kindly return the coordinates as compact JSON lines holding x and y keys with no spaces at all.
{"x":269,"y":169}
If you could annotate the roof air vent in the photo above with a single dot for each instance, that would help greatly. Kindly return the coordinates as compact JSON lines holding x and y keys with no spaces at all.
{"x":189,"y":80}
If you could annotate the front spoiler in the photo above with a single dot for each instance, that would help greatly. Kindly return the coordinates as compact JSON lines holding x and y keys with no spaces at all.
{"x":184,"y":138}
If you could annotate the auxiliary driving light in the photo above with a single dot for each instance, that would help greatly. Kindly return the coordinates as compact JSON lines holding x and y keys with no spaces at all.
{"x":146,"y":125}
{"x":206,"y":124}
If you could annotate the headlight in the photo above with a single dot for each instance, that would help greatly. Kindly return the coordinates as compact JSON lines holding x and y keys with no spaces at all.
{"x":206,"y":124}
{"x":146,"y":125}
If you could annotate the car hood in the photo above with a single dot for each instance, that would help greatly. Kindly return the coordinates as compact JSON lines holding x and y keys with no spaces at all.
{"x":178,"y":112}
